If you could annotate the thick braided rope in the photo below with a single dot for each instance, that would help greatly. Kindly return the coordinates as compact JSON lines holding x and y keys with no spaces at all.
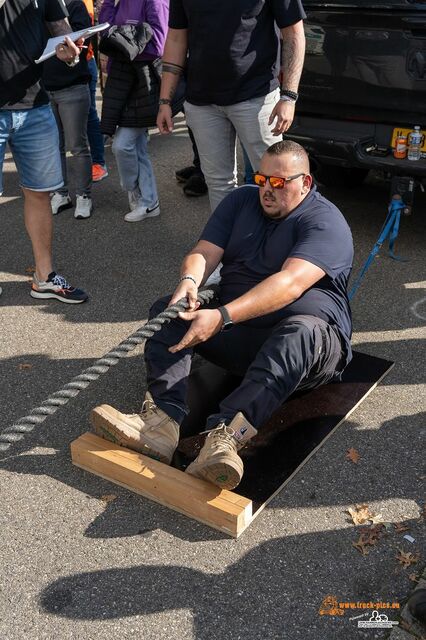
{"x":19,"y":429}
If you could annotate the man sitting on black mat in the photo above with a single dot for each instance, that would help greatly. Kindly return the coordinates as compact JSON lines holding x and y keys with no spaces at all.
{"x":282,"y":322}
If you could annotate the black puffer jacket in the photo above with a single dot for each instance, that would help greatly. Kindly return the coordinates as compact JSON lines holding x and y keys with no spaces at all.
{"x":130,"y":97}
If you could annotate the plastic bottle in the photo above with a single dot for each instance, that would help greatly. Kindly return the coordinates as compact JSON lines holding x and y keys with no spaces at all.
{"x":414,"y":144}
{"x":400,"y":150}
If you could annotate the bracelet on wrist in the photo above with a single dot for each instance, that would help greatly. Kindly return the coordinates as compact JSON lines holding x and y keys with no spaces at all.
{"x":286,"y":94}
{"x":165,"y":101}
{"x":74,"y":62}
{"x":188,"y":277}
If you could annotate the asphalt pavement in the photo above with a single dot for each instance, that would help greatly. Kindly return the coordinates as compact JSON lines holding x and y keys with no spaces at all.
{"x":82,"y":558}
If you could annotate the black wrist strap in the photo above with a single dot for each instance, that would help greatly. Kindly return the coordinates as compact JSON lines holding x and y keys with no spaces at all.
{"x":289,"y":94}
{"x":227,"y":322}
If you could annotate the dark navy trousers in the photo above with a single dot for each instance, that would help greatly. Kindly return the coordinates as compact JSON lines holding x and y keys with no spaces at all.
{"x":300,"y":352}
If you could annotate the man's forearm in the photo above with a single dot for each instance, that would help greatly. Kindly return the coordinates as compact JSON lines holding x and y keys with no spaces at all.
{"x":174,"y":59}
{"x":293,"y":55}
{"x":194,"y":264}
{"x":59,"y":27}
{"x":268,"y":296}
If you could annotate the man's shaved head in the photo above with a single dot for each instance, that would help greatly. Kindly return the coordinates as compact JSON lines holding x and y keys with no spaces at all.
{"x":300,"y":159}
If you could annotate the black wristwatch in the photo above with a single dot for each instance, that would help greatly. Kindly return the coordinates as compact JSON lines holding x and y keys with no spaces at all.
{"x":227,"y":322}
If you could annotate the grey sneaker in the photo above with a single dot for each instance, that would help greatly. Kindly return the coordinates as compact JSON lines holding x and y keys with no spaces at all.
{"x":218,"y":461}
{"x":84,"y":208}
{"x":152,"y":432}
{"x":59,"y":202}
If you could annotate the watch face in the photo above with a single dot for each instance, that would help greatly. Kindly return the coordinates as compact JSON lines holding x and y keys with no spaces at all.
{"x":227,"y":325}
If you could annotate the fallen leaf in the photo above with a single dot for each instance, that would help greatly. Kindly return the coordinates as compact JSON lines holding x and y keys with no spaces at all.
{"x":361,"y":546}
{"x":25,"y":365}
{"x":371,"y":535}
{"x":352,"y":455}
{"x":406,"y":559}
{"x":400,"y":527}
{"x":413,"y":577}
{"x":377,"y":519}
{"x":30,"y":270}
{"x":108,"y":497}
{"x":360,"y":514}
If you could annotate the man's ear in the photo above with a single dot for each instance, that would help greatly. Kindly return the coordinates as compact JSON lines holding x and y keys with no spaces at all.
{"x":307,"y":184}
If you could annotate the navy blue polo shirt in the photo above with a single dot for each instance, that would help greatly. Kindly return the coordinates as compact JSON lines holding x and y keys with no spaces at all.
{"x":256,"y":247}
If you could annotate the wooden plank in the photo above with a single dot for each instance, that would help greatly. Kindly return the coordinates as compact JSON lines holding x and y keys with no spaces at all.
{"x":200,"y":500}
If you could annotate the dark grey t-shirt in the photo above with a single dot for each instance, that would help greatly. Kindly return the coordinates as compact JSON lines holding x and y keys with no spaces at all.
{"x":233,"y":46}
{"x":23,"y":37}
{"x":256,"y":247}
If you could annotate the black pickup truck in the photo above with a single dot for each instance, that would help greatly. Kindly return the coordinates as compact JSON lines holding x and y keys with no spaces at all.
{"x":364,"y":80}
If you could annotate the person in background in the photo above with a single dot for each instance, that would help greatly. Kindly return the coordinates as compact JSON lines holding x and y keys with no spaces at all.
{"x":230,"y":54}
{"x":96,"y":139}
{"x":27,"y":124}
{"x":124,"y":98}
{"x":69,"y":95}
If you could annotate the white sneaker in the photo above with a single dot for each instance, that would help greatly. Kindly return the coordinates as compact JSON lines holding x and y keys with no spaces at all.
{"x":140,"y":213}
{"x":83,"y":208}
{"x":135,"y":198}
{"x":59,"y":202}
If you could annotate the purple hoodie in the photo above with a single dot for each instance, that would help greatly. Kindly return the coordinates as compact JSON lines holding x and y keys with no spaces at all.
{"x":154,"y":12}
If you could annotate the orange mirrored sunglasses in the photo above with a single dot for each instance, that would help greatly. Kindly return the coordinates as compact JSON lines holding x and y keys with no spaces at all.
{"x":276,"y":182}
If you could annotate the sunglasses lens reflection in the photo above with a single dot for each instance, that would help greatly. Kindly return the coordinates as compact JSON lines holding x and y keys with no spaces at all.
{"x":275,"y":182}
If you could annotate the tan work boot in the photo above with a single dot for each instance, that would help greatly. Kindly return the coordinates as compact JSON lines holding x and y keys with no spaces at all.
{"x":218,"y":461}
{"x":152,"y":432}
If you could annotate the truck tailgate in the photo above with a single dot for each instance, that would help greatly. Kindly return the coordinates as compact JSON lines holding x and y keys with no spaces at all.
{"x":365,"y":63}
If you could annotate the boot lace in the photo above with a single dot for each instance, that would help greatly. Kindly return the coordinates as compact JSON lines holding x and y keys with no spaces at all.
{"x":222,"y":438}
{"x":148,"y":405}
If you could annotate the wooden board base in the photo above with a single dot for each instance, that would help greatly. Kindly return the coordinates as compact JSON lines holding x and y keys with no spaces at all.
{"x":293,"y":434}
{"x":223,"y":510}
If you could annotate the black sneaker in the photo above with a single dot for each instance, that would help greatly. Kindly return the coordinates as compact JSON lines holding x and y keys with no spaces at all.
{"x":183,"y":175}
{"x":57,"y":287}
{"x":196,"y":186}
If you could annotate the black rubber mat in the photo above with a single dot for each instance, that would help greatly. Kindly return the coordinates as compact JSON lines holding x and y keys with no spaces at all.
{"x":293,"y":433}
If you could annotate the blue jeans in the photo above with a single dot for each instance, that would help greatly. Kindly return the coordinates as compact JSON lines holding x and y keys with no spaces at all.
{"x":96,"y":140}
{"x":32,"y":135}
{"x":130,"y":148}
{"x":300,"y":352}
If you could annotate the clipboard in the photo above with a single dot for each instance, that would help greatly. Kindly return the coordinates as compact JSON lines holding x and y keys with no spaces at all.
{"x":52,"y":43}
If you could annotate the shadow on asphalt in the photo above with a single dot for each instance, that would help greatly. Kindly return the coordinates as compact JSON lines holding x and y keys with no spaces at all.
{"x":251,"y":594}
